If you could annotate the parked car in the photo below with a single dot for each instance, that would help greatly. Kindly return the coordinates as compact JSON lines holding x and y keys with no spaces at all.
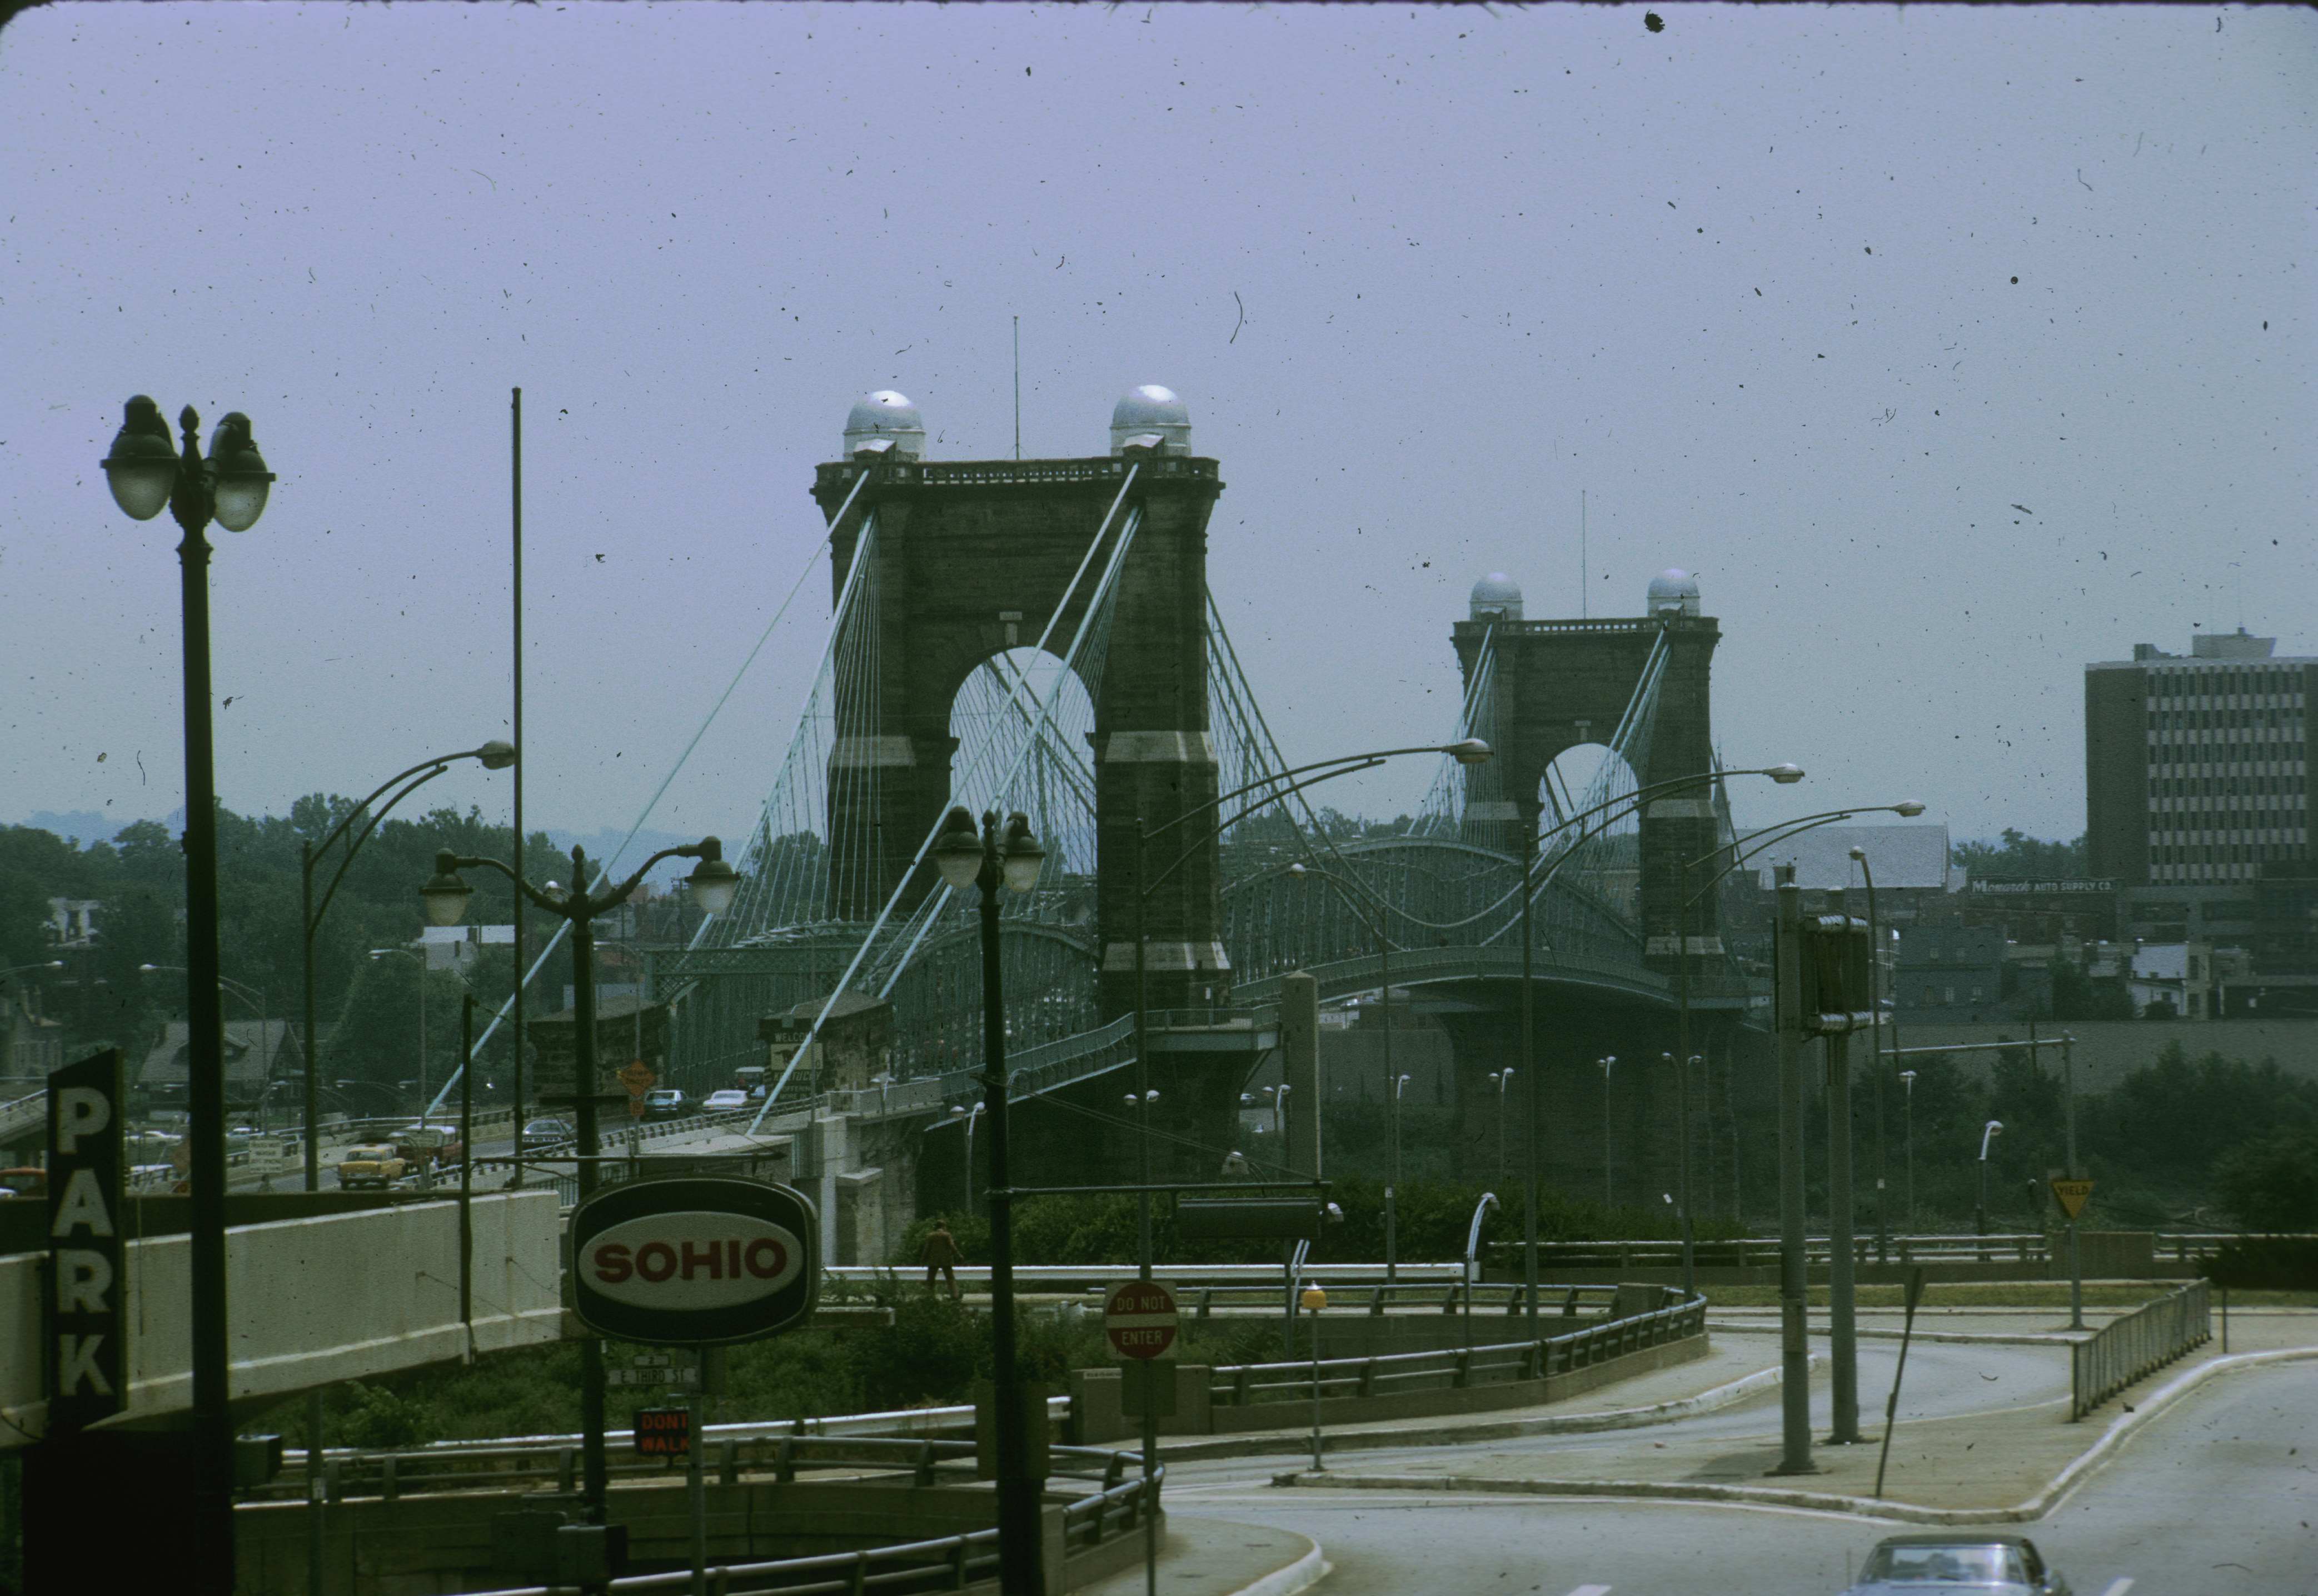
{"x":25,"y":1181}
{"x":725,"y":1102}
{"x":2004,"y":1564}
{"x":663,"y":1102}
{"x":371,"y":1163}
{"x":543,"y":1132}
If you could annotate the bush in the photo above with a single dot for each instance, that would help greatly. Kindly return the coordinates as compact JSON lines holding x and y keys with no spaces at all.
{"x":2272,"y":1182}
{"x":2268,"y":1263}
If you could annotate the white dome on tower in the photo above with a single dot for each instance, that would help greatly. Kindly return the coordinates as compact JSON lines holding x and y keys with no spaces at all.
{"x":889,"y":416}
{"x":1150,"y":410}
{"x":1674,"y":592}
{"x":1496,"y":598}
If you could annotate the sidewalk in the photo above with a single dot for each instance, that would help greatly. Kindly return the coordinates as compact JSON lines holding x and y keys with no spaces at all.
{"x":1994,"y":1465}
{"x":1218,"y":1557}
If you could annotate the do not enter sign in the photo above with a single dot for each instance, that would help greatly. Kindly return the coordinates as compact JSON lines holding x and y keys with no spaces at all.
{"x":1139,"y":1319}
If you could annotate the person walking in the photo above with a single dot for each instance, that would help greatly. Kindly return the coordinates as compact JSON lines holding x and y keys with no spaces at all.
{"x":941,"y":1255}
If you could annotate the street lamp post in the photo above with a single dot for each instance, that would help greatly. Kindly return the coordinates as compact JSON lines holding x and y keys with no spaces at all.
{"x":147,"y":473}
{"x":1500,"y":1079}
{"x":1392,"y":1192}
{"x":1989,"y":1133}
{"x":493,"y":755}
{"x":1875,"y":1060}
{"x":1785,"y":775}
{"x":967,"y":859}
{"x":714,"y":883}
{"x":1794,"y":1350}
{"x":959,"y":1111}
{"x":1907,"y":1079}
{"x":1608,"y":1198}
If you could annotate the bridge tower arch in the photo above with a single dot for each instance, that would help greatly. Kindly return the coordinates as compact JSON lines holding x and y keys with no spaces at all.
{"x":1560,"y":684}
{"x":971,"y":559}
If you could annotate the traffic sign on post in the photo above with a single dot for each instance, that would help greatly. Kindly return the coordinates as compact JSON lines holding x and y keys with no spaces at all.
{"x":2073,"y":1195}
{"x":1138,"y":1319}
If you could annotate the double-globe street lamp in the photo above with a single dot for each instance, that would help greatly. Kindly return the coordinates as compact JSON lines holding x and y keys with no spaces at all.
{"x":714,"y":883}
{"x":148,"y":473}
{"x":987,"y":860}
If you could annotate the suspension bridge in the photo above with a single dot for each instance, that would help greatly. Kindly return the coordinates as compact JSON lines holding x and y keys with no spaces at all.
{"x":1039,"y":635}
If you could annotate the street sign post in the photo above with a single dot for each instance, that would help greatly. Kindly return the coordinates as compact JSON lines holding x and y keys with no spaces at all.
{"x":1138,"y":1319}
{"x":2072,"y":1195}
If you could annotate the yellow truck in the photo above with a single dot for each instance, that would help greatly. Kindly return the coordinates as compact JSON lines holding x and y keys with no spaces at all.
{"x":371,"y":1164}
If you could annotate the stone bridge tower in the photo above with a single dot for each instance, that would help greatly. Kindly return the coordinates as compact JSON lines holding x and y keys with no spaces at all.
{"x":972,"y":558}
{"x":1562,"y":684}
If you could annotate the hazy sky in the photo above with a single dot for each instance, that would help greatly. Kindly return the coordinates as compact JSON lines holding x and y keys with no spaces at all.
{"x":1813,"y":302}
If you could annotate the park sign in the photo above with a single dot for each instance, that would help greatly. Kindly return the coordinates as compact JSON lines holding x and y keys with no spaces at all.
{"x":88,"y":1342}
{"x":695,"y":1261}
{"x":1138,"y":1319}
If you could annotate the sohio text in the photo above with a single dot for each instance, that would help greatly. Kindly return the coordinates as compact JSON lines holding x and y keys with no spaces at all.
{"x":692,"y":1259}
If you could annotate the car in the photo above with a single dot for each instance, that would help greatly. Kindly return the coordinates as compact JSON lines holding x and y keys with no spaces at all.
{"x":23,"y":1181}
{"x":663,"y":1102}
{"x":724,"y":1102}
{"x":371,"y":1163}
{"x":2005,"y":1565}
{"x":543,"y":1133}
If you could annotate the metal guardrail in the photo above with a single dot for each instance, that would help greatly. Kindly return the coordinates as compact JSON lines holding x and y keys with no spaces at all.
{"x":1118,"y":1504}
{"x":1747,"y":1251}
{"x":2145,"y":1341}
{"x":1450,"y":1297}
{"x":1252,"y":1384}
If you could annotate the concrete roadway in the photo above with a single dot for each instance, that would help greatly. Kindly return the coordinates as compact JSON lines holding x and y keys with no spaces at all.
{"x":2215,"y":1497}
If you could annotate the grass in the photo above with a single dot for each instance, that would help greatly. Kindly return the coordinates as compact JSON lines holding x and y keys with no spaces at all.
{"x":2002,"y":1294}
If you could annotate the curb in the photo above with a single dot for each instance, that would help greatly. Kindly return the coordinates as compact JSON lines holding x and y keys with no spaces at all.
{"x":1371,"y":1440}
{"x":1302,"y":1574}
{"x":2120,"y":1429}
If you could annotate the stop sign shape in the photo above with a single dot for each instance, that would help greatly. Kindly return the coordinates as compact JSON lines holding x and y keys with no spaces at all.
{"x":1139,"y":1319}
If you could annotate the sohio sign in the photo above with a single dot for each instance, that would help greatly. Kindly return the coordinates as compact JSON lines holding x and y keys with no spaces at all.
{"x":694,"y":1261}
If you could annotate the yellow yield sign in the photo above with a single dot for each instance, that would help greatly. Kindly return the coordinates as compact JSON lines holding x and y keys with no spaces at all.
{"x":2073,"y":1194}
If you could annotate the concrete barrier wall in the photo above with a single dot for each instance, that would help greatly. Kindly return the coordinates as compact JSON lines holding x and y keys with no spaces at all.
{"x":1096,"y":1417}
{"x":310,"y":1301}
{"x":422,"y":1546}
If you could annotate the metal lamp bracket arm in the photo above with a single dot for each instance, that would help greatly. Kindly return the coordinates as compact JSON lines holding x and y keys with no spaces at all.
{"x":1350,"y":764}
{"x":1369,"y":762}
{"x":1785,"y":829}
{"x":355,"y":846}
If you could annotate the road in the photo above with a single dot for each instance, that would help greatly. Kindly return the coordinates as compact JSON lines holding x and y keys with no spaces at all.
{"x":2215,"y":1498}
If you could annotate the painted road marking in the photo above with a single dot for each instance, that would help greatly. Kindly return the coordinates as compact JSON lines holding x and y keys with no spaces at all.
{"x":2118,"y":1588}
{"x":1591,"y":1591}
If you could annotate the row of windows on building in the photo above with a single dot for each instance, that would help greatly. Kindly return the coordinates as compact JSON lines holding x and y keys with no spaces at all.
{"x":2225,"y":853}
{"x":2228,"y":753}
{"x":2235,"y":681}
{"x":2223,"y":719}
{"x":2259,"y":784}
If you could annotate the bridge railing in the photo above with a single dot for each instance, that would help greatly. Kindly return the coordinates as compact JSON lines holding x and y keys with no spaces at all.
{"x":1763,"y":1251}
{"x":2140,"y":1343}
{"x":1300,"y":1381}
{"x":1418,"y":963}
{"x":1452,"y":1297}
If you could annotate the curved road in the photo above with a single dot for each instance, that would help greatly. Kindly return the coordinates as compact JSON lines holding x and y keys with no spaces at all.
{"x":2215,"y":1497}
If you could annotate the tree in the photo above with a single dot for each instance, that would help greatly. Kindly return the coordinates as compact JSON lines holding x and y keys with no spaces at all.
{"x":2020,"y":856}
{"x":2271,"y":1181}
